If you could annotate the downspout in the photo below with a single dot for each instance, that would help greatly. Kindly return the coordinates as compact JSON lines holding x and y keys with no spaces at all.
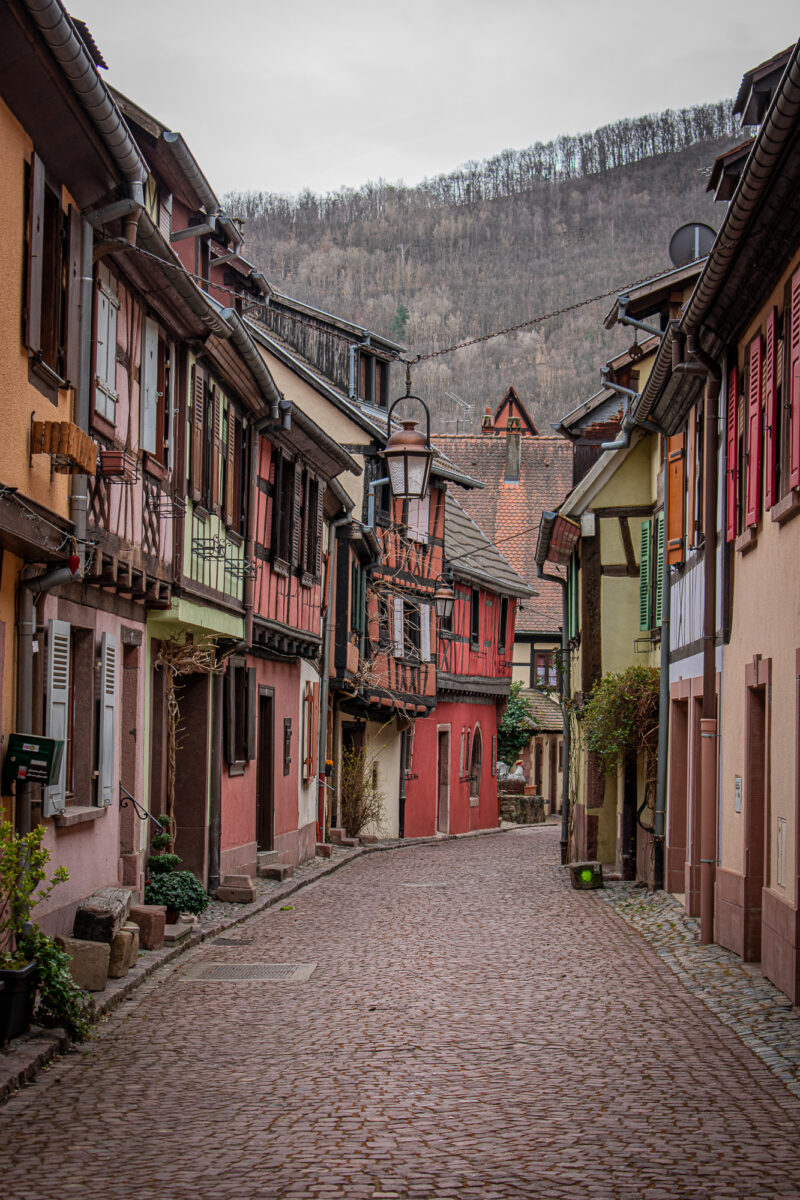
{"x":26,"y":631}
{"x":324,"y":683}
{"x":78,"y":492}
{"x":354,"y":346}
{"x":215,"y":790}
{"x":565,"y":686}
{"x":659,"y":831}
{"x":708,"y":723}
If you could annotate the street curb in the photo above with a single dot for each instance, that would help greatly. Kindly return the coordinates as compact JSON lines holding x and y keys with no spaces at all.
{"x":34,"y":1051}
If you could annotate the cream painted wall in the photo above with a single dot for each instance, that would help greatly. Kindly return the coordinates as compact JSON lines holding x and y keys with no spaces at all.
{"x":306,"y":791}
{"x":384,"y":743}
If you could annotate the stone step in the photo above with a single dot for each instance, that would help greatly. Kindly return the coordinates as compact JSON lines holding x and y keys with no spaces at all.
{"x":267,"y":858}
{"x":276,"y":872}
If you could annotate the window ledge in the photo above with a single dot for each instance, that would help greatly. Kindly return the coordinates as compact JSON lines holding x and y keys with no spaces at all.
{"x":280,"y":567}
{"x":306,"y":580}
{"x":234,"y":537}
{"x":786,"y":508}
{"x":78,"y":814}
{"x":746,"y":541}
{"x":200,"y":512}
{"x":103,"y":426}
{"x":153,"y":467}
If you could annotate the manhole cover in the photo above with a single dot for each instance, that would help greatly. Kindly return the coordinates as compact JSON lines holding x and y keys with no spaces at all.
{"x":233,"y":941}
{"x":251,"y":972}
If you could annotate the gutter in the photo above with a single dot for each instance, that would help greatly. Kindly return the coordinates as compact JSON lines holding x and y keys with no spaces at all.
{"x":70,"y":53}
{"x":188,"y":164}
{"x":281,"y":409}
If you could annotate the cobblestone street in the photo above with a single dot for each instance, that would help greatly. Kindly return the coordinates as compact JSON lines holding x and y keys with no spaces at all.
{"x":472,"y":1029}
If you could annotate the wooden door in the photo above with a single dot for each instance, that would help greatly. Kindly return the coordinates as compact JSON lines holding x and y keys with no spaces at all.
{"x":265,"y":798}
{"x":443,"y":782}
{"x":553,"y":797}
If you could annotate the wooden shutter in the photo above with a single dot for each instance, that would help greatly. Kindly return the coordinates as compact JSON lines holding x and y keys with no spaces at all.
{"x":33,"y":315}
{"x":659,"y":552}
{"x":252,"y":705}
{"x":57,"y":713}
{"x":315,"y":719}
{"x":216,"y":449}
{"x":108,"y":710}
{"x":418,"y":519}
{"x":754,"y":383}
{"x":230,"y":468}
{"x":231,"y":677}
{"x":198,"y":405}
{"x":645,"y":575}
{"x":398,"y":633}
{"x":319,"y":526}
{"x":297,"y":515}
{"x":494,"y":753}
{"x":148,"y":388}
{"x":771,"y":408}
{"x":675,"y":492}
{"x":794,"y":385}
{"x":425,"y":632}
{"x":73,"y":318}
{"x":732,"y":471}
{"x":105,"y":375}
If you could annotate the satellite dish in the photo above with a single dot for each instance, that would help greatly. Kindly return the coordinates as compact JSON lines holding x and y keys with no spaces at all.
{"x":690,"y":242}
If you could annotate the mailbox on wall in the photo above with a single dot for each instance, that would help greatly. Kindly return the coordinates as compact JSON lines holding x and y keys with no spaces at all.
{"x":31,"y":759}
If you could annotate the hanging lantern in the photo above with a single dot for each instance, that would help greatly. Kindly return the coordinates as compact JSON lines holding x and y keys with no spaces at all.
{"x":443,"y":600}
{"x":408,"y":454}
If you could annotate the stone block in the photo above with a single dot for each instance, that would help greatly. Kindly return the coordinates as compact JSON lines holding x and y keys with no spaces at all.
{"x":337,"y":835}
{"x":177,"y":932}
{"x":151,"y":919}
{"x":118,"y":962}
{"x":133,"y":949}
{"x":237,"y":889}
{"x":367,"y":839}
{"x":323,"y":850}
{"x":101,"y":916}
{"x":89,"y":961}
{"x":350,"y":842}
{"x":279,"y":873}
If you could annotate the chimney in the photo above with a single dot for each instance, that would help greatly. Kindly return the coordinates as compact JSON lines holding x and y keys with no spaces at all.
{"x":487,"y":421}
{"x":513,"y":450}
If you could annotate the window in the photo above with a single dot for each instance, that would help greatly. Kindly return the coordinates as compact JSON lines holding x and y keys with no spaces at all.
{"x":417,"y":519}
{"x":358,"y":598}
{"x":475,"y":619}
{"x":312,"y":526}
{"x":52,"y":303}
{"x":373,"y":380}
{"x":398,"y":626}
{"x":282,"y":509}
{"x":546,"y":675}
{"x":240,"y":714}
{"x":425,"y":632}
{"x":412,"y":628}
{"x":87,"y":767}
{"x":154,"y":391}
{"x":105,"y":361}
{"x":502,"y":632}
{"x":475,"y":767}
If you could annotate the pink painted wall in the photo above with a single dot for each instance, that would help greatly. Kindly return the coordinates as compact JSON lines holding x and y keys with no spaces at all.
{"x":421,"y":793}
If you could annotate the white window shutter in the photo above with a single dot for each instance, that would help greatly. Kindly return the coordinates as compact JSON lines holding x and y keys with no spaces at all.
{"x":108,"y":710}
{"x":397,"y":627}
{"x":106,"y":350}
{"x":57,"y":715}
{"x":418,"y":518}
{"x":149,"y":387}
{"x":425,"y":632}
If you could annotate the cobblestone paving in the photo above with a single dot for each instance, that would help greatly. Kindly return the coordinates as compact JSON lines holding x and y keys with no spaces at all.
{"x":736,"y":992}
{"x":474,"y":1029}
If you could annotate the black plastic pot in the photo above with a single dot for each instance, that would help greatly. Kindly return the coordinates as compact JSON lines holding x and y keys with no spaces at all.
{"x":16,"y":1000}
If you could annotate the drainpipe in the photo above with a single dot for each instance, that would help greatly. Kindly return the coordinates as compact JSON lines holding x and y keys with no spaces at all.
{"x":351,"y":390}
{"x":215,"y":791}
{"x":708,"y":723}
{"x":565,"y":685}
{"x":659,"y":831}
{"x":324,"y":684}
{"x":26,"y":631}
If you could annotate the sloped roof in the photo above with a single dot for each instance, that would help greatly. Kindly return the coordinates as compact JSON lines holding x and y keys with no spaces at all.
{"x":473,"y":556}
{"x":546,"y":712}
{"x":509,"y":513}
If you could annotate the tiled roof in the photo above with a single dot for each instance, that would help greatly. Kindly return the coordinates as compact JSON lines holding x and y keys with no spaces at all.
{"x":473,"y":556}
{"x":509,"y":513}
{"x":546,"y":712}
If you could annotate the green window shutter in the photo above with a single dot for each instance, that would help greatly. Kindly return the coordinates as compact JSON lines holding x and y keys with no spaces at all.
{"x":659,"y":548}
{"x":645,"y":575}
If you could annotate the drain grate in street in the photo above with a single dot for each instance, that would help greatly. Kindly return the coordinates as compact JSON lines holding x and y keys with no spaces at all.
{"x":424,"y":885}
{"x":223,"y":941}
{"x":251,"y":972}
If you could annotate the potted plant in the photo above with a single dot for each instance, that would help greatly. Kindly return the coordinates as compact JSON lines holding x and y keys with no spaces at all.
{"x":23,"y":885}
{"x":178,"y":890}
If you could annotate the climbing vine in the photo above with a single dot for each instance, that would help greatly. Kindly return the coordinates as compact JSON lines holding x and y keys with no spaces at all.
{"x":621,"y":716}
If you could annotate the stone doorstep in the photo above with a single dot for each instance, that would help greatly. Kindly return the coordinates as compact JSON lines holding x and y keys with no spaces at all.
{"x":25,"y":1056}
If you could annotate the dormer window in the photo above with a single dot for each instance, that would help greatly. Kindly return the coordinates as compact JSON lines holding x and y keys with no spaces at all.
{"x":373,"y":380}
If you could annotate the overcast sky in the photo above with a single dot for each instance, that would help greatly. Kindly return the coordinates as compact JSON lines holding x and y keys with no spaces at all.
{"x":277,"y":95}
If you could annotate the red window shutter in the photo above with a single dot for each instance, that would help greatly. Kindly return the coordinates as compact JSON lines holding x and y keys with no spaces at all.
{"x":754,"y":364}
{"x":771,"y":409}
{"x":794,"y":385}
{"x":732,"y":490}
{"x":676,"y":490}
{"x":198,"y":404}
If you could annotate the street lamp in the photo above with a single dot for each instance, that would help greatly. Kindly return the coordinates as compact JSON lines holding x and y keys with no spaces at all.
{"x":408,"y":455}
{"x":443,"y":600}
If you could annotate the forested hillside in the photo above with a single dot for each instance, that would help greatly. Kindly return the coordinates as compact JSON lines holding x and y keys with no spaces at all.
{"x":494,"y":244}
